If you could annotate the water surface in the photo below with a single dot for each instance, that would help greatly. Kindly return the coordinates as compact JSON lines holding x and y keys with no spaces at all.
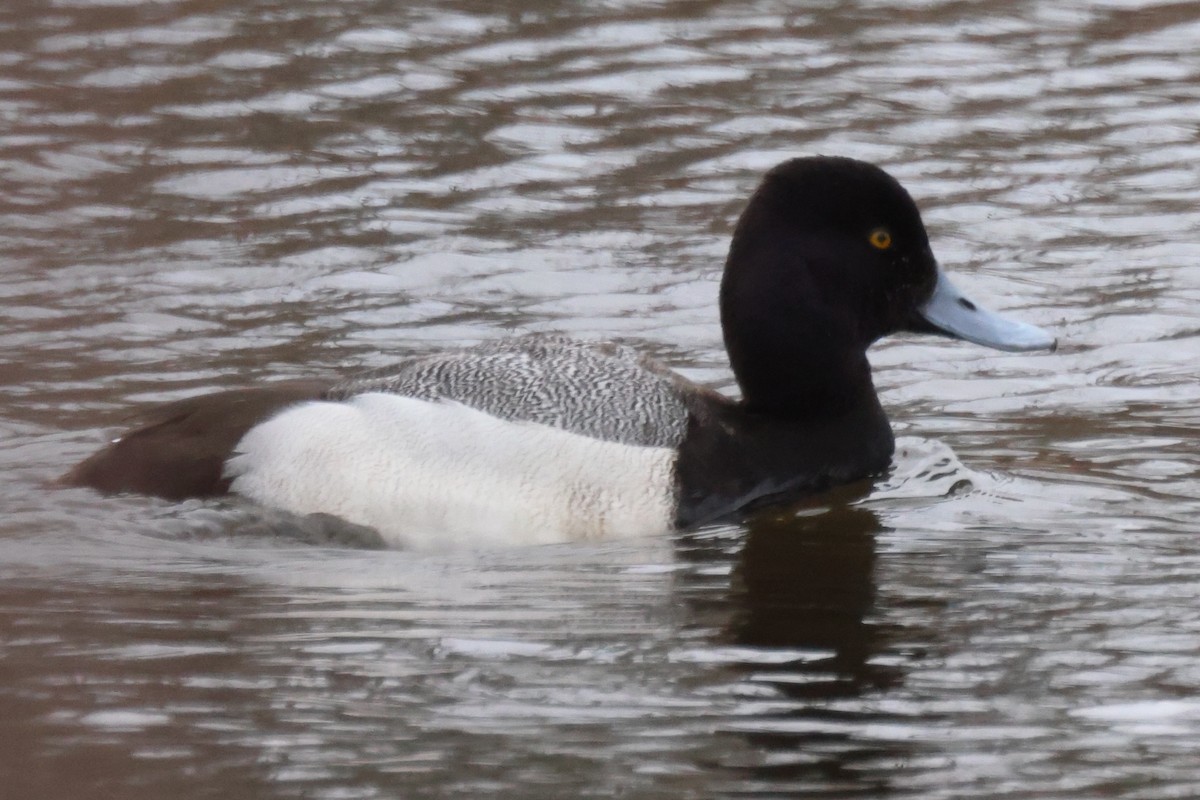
{"x":198,"y":195}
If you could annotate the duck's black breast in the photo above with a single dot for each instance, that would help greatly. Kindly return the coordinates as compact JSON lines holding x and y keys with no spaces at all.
{"x":732,"y":459}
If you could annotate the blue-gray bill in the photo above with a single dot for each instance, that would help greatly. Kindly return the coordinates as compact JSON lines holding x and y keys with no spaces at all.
{"x":949,"y":310}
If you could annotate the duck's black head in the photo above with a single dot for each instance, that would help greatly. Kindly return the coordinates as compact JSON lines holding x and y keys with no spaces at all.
{"x":829,"y":255}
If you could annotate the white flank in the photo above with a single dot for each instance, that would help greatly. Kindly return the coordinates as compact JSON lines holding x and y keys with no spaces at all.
{"x":437,"y":474}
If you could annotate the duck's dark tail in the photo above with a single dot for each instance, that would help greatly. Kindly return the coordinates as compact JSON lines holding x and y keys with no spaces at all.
{"x":179,"y":450}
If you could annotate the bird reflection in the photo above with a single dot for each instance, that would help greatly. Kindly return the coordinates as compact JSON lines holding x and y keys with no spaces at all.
{"x":805,"y":585}
{"x":806,"y":581}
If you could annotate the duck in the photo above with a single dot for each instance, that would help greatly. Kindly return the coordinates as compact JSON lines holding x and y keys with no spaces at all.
{"x":538,"y":439}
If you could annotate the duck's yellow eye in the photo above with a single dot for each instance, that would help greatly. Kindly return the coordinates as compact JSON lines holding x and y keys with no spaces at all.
{"x":880,"y":239}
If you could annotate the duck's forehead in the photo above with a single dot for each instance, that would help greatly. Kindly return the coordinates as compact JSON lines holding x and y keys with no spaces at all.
{"x":893,"y":206}
{"x":872,"y":191}
{"x":843,"y":193}
{"x":864,"y":204}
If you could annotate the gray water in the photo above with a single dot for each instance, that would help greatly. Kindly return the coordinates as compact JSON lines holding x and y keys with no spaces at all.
{"x":201,"y":194}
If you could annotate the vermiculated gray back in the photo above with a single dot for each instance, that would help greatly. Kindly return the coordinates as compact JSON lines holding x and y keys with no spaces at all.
{"x":605,"y":391}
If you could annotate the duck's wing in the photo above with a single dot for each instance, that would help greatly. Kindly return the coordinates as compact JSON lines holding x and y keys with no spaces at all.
{"x":604,"y":391}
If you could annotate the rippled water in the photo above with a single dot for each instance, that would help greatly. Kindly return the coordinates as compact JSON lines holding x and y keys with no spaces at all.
{"x":198,"y":194}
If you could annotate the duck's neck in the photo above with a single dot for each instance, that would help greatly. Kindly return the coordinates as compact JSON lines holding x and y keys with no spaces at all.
{"x":796,"y":366}
{"x":797,"y":383}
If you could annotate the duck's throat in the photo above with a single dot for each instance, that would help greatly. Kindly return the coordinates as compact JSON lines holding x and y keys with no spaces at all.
{"x":805,"y":382}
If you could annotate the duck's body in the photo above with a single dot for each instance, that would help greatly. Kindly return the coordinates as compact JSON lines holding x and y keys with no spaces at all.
{"x":532,"y":439}
{"x":543,"y":438}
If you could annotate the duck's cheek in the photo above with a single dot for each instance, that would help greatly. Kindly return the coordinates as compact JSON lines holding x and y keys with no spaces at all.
{"x":436,"y":474}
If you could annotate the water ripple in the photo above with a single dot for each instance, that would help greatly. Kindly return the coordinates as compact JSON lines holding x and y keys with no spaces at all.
{"x":198,"y":196}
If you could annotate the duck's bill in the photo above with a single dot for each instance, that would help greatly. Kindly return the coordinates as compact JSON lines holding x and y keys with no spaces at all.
{"x":951,"y":312}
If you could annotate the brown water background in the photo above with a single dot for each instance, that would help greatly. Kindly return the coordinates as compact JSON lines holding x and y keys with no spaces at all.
{"x":210,"y":194}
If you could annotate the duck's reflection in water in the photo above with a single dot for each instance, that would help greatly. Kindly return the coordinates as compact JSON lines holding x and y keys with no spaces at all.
{"x":804,"y":596}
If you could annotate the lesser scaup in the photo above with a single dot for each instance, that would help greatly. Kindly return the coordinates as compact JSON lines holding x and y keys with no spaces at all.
{"x":542,"y":438}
